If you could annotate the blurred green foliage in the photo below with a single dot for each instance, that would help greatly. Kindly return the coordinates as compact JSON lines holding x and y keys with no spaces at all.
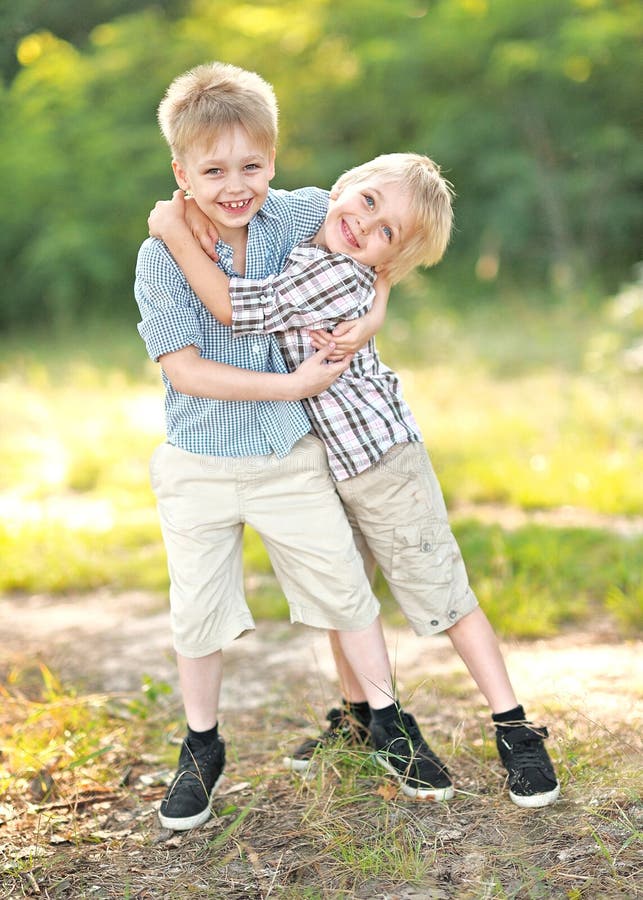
{"x":71,"y":21}
{"x":530,"y":109}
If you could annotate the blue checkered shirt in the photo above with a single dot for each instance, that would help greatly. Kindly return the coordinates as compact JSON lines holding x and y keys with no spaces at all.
{"x":172,"y":317}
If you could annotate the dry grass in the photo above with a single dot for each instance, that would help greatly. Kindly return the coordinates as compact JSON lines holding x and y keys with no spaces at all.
{"x":346,"y":833}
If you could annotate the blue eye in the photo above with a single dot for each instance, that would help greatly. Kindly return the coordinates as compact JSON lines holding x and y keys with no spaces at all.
{"x":213,"y":172}
{"x":252,"y":166}
{"x":388,"y":232}
{"x":369,"y":201}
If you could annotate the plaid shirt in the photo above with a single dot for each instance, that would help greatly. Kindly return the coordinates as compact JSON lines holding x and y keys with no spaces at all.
{"x":173,"y":317}
{"x":362,"y":414}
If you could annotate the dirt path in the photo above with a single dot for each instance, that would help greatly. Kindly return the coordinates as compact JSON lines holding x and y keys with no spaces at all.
{"x":107,"y":642}
{"x":272,"y":836}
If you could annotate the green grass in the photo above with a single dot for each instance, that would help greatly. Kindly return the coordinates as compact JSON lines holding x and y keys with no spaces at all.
{"x":59,"y":738}
{"x":538,"y":441}
{"x":478,"y":845}
{"x":523,"y":403}
{"x":522,"y":400}
{"x":533,"y":580}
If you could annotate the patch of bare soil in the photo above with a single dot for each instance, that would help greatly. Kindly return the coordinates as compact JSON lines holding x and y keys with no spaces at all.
{"x":346,"y":833}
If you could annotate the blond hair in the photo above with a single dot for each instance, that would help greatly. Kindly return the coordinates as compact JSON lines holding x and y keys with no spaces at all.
{"x":431,"y":197}
{"x":213,"y":97}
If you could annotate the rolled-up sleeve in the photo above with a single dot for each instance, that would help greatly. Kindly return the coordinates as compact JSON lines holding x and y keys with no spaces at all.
{"x":169,"y":316}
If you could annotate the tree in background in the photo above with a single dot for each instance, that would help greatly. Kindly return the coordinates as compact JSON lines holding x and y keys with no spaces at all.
{"x":71,"y":21}
{"x":530,"y":108}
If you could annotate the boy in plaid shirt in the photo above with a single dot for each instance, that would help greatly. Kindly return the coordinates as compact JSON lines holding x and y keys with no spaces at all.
{"x":384,"y":218}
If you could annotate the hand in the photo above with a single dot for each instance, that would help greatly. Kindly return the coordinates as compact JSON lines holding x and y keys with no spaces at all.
{"x":317,"y":373}
{"x":348,"y":337}
{"x":202,"y":228}
{"x":167,"y":217}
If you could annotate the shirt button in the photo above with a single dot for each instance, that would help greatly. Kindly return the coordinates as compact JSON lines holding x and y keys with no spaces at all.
{"x":434,"y":622}
{"x":426,"y":547}
{"x":256,"y":349}
{"x":453,"y":614}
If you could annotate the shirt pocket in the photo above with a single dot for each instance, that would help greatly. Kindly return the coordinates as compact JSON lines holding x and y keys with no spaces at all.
{"x":423,"y":553}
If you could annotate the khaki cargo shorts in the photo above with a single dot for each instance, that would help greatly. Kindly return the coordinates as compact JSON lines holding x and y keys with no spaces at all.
{"x":399,"y":521}
{"x":203,"y":504}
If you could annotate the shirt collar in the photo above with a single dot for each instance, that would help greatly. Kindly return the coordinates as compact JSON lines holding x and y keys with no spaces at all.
{"x":256,"y":241}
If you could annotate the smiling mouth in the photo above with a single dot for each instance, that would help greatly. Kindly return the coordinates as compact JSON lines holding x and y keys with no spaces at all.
{"x":348,"y":234}
{"x":235,"y":205}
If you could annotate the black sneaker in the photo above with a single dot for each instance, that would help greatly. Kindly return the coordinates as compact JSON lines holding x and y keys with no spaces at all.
{"x":187,"y":801}
{"x":343,"y":729}
{"x":402,"y":750}
{"x":532,"y":780}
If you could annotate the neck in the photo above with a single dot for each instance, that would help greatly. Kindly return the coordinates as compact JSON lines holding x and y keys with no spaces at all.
{"x":237,"y":238}
{"x":320,"y":237}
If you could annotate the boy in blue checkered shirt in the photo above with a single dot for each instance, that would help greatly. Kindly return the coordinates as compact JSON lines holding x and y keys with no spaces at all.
{"x":239,"y":447}
{"x":384,"y":217}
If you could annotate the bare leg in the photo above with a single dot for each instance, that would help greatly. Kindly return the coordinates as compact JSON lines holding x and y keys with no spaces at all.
{"x":475,"y":641}
{"x":349,"y":685}
{"x":366,"y":657}
{"x":200,"y":681}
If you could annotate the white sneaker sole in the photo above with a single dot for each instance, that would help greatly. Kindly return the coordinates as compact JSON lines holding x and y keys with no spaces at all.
{"x":190,"y":821}
{"x":304,"y":767}
{"x":536,"y":801}
{"x":428,"y":793}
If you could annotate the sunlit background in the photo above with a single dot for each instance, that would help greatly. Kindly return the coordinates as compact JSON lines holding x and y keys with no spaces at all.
{"x":521,"y":354}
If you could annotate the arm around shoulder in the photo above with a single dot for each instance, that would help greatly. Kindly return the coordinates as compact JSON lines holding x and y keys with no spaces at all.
{"x":167,"y":221}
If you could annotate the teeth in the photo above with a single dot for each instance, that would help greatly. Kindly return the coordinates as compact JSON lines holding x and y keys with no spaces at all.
{"x":236,"y":204}
{"x":350,"y":237}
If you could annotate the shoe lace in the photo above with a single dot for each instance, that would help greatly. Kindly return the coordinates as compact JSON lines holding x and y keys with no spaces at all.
{"x":525,"y":744}
{"x":418,"y":745}
{"x":193,"y":762}
{"x":201,"y":756}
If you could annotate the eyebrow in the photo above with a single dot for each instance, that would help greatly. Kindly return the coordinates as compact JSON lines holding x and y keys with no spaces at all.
{"x":256,"y":157}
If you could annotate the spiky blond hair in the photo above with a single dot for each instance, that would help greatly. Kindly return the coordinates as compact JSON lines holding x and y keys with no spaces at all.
{"x":212,"y":98}
{"x":431,"y":197}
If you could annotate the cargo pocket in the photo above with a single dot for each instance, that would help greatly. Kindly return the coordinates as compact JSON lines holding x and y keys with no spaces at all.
{"x":423,"y":554}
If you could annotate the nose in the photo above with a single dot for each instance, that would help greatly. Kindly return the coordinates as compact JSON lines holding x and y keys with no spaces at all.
{"x":234,"y":182}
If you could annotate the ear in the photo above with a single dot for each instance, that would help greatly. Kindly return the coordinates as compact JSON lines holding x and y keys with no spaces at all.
{"x":180,"y":175}
{"x":384,"y":271}
{"x":334,"y":194}
{"x":271,"y":164}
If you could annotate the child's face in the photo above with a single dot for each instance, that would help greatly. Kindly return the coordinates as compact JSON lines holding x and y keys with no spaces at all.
{"x":228,"y":178}
{"x":369,"y":222}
